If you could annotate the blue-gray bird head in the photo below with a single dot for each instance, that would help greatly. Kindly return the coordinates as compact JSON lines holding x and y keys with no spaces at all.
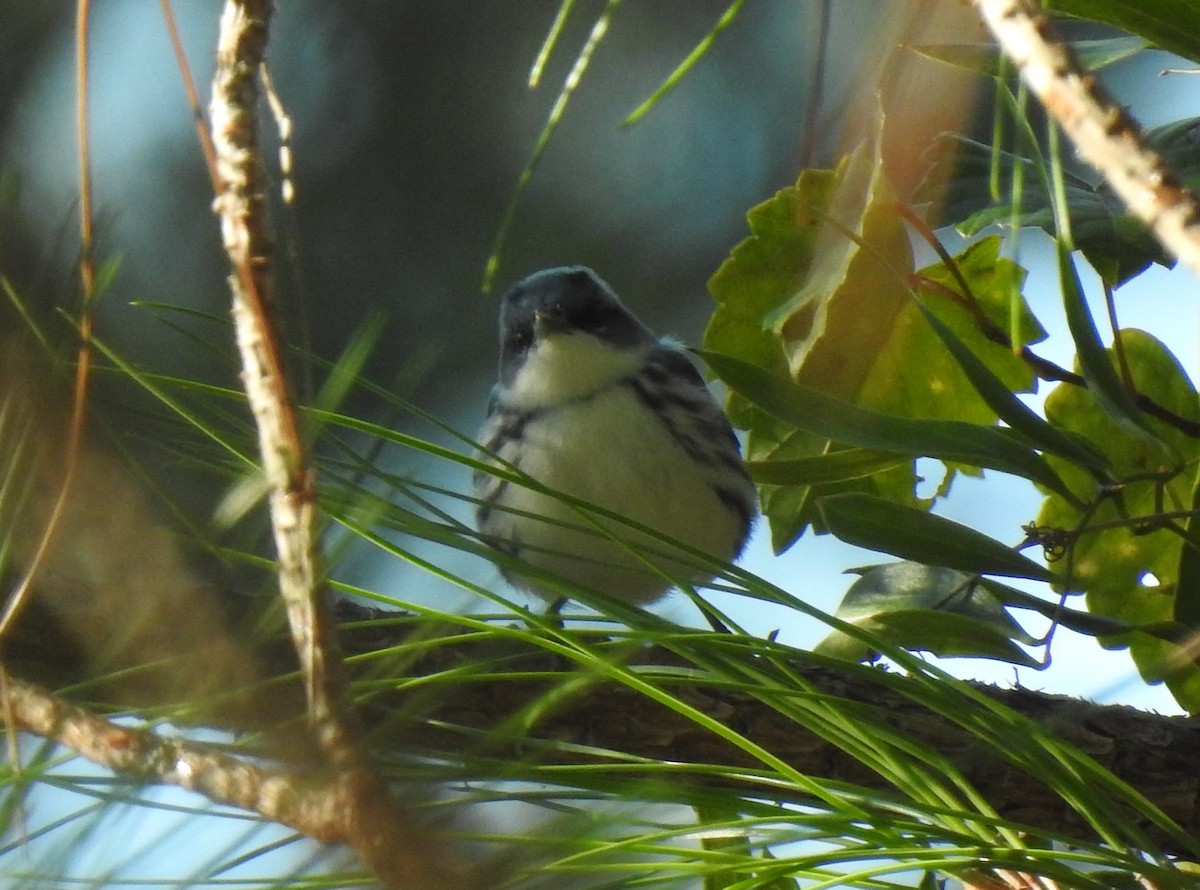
{"x":592,"y":405}
{"x":567,"y":301}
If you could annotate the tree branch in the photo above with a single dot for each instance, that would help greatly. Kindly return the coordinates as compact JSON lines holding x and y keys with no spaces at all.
{"x":241,"y":205}
{"x":428,"y":710}
{"x":278,"y":795}
{"x":1159,"y":756}
{"x":1104,"y":134}
{"x":380,"y":830}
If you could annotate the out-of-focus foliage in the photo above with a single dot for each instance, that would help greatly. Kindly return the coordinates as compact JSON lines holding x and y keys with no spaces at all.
{"x":1173,"y":25}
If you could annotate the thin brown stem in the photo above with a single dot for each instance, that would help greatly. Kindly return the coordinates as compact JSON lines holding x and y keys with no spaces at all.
{"x":193,"y":95}
{"x":83,"y":362}
{"x":1042,"y":367}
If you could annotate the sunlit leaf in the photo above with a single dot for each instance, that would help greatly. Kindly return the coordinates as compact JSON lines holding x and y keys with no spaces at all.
{"x":1003,"y":401}
{"x":848,"y":326}
{"x":835,"y":326}
{"x":764,"y":270}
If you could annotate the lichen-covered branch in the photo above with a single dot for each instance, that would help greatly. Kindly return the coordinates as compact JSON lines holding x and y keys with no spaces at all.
{"x":382,"y":831}
{"x":279,"y":795}
{"x":1104,"y":134}
{"x":241,"y":206}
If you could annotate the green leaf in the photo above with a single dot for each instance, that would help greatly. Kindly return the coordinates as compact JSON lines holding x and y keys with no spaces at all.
{"x":763,"y":270}
{"x":1187,"y":587}
{"x":995,"y":282}
{"x":835,"y":330}
{"x":1094,"y":360}
{"x":1112,"y":563}
{"x":959,"y":183}
{"x":1173,"y":25}
{"x":845,"y":324}
{"x":927,"y":608}
{"x":830,"y":418}
{"x":761,"y":274}
{"x":836,"y":466}
{"x":1007,"y":406}
{"x":914,"y":374}
{"x":922,"y":537}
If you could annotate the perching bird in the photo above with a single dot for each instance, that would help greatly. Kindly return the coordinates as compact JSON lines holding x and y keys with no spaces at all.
{"x":591,"y":404}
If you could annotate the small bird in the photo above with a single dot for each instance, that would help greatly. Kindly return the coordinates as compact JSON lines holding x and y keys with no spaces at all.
{"x":591,"y":404}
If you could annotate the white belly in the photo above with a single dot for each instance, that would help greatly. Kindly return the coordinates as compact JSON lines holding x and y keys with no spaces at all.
{"x":610,"y":451}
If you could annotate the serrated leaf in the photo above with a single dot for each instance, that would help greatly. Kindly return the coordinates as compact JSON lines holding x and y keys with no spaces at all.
{"x":922,"y":537}
{"x":927,"y":608}
{"x":835,"y":327}
{"x":915,"y":375}
{"x":760,"y":274}
{"x":907,"y":372}
{"x":766,"y":268}
{"x":996,"y":283}
{"x":1007,"y":406}
{"x":1109,"y":564}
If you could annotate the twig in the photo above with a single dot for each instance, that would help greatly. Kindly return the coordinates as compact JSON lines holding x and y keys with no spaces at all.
{"x":1105,"y":135}
{"x":316,"y":804}
{"x":1042,"y":367}
{"x":241,"y":205}
{"x":275,"y":794}
{"x":193,"y":95}
{"x":382,"y":833}
{"x":83,"y":361}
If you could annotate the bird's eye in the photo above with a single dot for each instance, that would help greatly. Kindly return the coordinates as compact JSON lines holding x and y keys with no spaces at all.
{"x":518,"y":339}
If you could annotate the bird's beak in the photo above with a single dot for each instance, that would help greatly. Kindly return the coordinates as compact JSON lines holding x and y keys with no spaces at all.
{"x":549,"y":321}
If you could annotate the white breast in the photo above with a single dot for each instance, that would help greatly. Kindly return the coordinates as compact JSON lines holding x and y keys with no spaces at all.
{"x":566,"y":367}
{"x":611,"y":451}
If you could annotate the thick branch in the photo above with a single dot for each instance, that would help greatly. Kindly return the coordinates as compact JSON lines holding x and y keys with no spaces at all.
{"x":1105,"y":135}
{"x":446,"y":713}
{"x":1158,"y":756}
